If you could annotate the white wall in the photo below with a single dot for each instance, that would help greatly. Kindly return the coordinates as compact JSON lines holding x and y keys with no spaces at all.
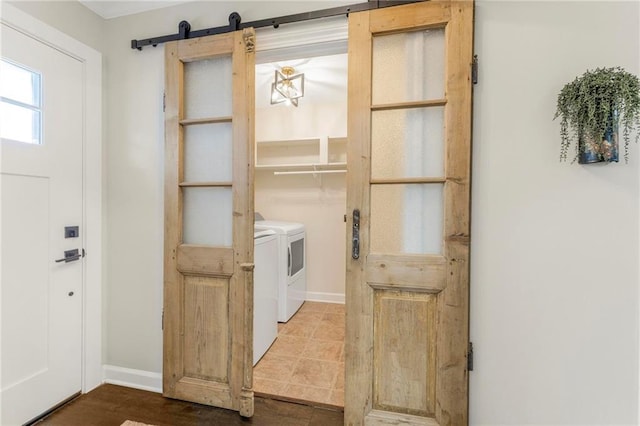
{"x":70,"y":17}
{"x":554,"y":271}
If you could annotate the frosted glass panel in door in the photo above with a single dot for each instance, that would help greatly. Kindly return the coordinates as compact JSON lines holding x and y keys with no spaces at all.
{"x":407,"y":143}
{"x":207,"y":88}
{"x":207,"y":214}
{"x":408,"y":67}
{"x":406,"y":218}
{"x":208,"y":153}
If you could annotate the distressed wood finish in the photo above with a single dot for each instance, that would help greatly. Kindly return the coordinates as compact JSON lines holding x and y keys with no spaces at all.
{"x":205,"y":260}
{"x":247,"y":394}
{"x":404,"y":352}
{"x":173,"y":172}
{"x":402,"y":19}
{"x":453,"y":304}
{"x":205,"y":303}
{"x":212,"y":120}
{"x":402,"y":181}
{"x":206,"y":184}
{"x":385,"y":418}
{"x":197,"y":49}
{"x":419,"y":273}
{"x":359,"y":297}
{"x":405,"y":105}
{"x":209,"y":290}
{"x":407,"y":315}
{"x":243,"y":218}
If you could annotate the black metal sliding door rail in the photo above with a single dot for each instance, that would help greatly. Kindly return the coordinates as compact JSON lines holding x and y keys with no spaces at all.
{"x":235,"y":22}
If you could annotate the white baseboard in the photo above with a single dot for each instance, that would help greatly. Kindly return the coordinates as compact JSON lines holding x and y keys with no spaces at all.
{"x":129,"y":377}
{"x":316,"y":296}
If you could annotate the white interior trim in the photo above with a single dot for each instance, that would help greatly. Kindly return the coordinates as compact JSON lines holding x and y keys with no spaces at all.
{"x":316,"y":296}
{"x":132,"y":378}
{"x":306,"y":39}
{"x":92,"y":181}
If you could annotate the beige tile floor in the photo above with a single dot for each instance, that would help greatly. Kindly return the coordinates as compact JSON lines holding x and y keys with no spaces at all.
{"x":306,"y":362}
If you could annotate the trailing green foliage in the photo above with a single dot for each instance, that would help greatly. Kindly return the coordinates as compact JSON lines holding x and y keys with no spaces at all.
{"x":592,"y":102}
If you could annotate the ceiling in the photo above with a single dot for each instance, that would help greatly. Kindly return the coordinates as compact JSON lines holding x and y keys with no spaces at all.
{"x":114,"y":8}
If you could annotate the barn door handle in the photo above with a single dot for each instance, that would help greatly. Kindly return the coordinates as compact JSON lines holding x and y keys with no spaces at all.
{"x":70,"y":256}
{"x":355,"y":241}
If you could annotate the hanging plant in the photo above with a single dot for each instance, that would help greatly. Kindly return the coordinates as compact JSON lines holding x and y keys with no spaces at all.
{"x":590,"y":109}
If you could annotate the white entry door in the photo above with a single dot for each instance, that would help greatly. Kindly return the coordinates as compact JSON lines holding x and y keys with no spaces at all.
{"x":41,"y":129}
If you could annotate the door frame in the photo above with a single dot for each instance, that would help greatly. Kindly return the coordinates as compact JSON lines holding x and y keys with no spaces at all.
{"x":92,"y":190}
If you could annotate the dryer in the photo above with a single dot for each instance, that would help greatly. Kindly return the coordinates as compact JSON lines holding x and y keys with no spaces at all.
{"x":292,"y":265}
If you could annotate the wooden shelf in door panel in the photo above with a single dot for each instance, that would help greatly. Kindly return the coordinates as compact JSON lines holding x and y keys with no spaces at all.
{"x":300,"y":167}
{"x":208,"y":120}
{"x":401,"y":181}
{"x":407,"y":105}
{"x":287,"y":142}
{"x":300,"y":141}
{"x":205,"y":184}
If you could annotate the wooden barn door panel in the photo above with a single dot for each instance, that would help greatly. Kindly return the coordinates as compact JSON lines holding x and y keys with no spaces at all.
{"x":409,"y":179}
{"x":208,"y":274}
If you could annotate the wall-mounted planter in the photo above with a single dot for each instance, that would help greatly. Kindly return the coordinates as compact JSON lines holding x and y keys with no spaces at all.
{"x":594,"y":150}
{"x":592,"y":108}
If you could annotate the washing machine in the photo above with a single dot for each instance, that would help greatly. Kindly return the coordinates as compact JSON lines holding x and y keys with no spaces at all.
{"x":265,"y":292}
{"x":292,"y":265}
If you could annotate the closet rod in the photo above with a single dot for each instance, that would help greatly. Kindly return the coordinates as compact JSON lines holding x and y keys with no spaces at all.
{"x":309,"y":172}
{"x":235,"y":22}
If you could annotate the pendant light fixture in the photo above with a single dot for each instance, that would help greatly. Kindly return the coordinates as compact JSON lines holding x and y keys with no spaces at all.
{"x":287,"y":87}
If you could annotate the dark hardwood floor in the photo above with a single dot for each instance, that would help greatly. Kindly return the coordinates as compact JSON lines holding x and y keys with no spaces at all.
{"x":111,"y":405}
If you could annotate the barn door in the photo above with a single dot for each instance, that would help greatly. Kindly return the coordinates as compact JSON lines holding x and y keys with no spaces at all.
{"x":208,"y":273}
{"x":408,"y":208}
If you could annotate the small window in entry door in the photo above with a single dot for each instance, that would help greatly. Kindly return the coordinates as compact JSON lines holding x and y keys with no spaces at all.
{"x":20,"y":103}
